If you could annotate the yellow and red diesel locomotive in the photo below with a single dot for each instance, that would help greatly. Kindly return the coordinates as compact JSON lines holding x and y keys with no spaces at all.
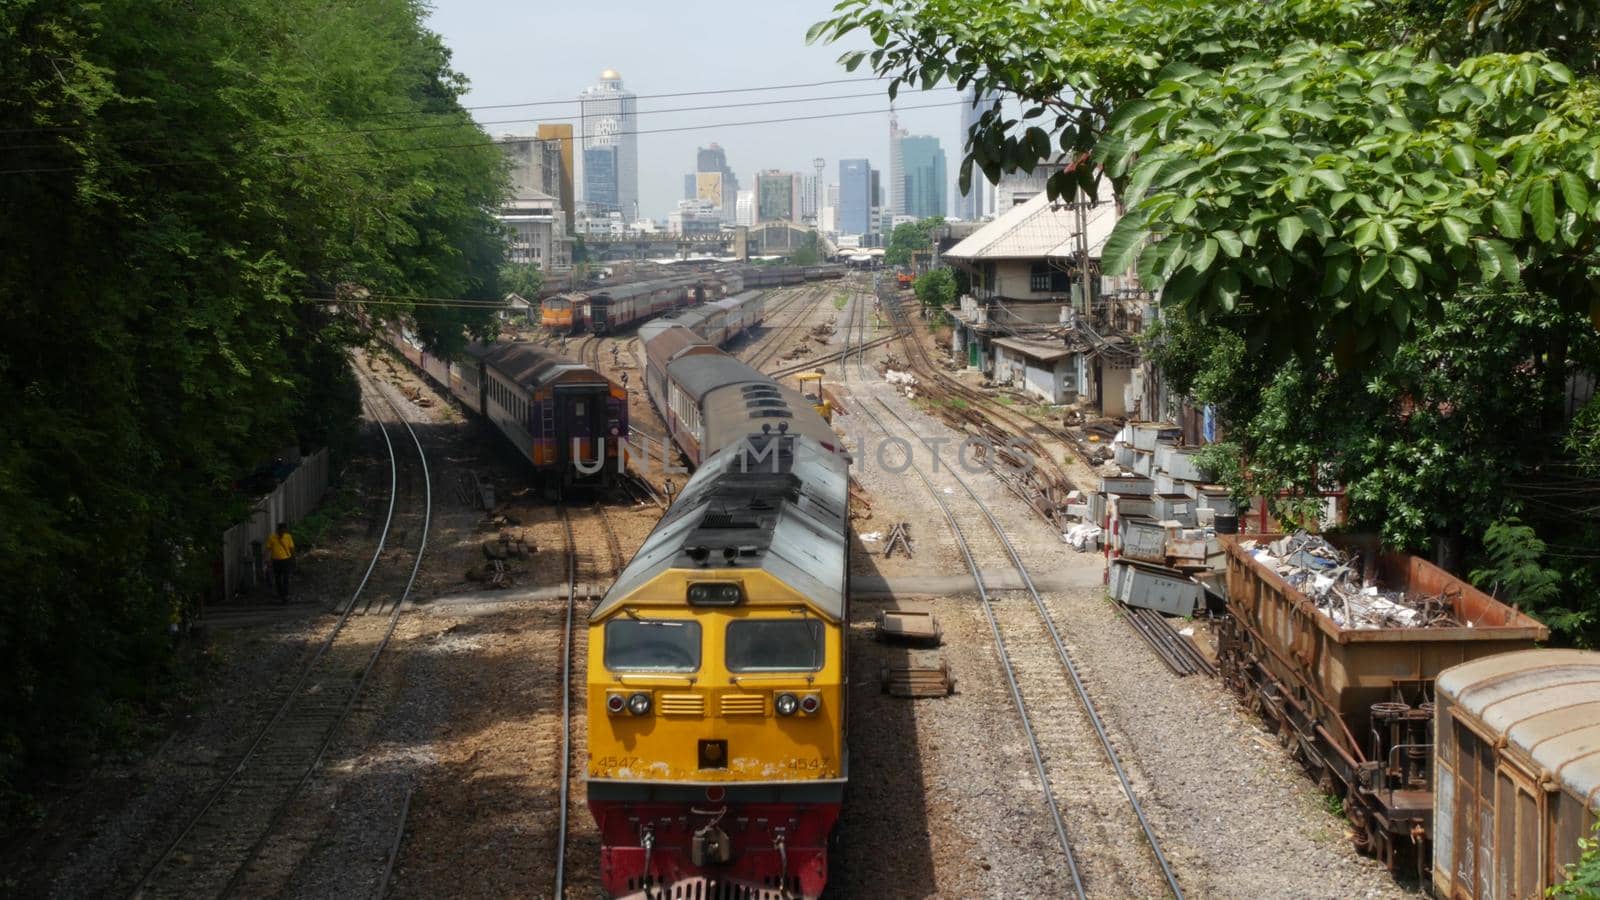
{"x":717,"y":668}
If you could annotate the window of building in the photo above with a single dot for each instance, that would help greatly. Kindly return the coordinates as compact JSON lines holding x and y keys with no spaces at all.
{"x":774,"y":645}
{"x":1044,"y":278}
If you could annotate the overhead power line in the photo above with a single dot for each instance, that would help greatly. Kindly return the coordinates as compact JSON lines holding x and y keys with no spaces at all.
{"x":459,"y":122}
{"x":384,"y":114}
{"x":385,"y":151}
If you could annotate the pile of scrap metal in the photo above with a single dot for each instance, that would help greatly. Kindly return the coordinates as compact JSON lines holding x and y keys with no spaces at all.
{"x":1342,"y":586}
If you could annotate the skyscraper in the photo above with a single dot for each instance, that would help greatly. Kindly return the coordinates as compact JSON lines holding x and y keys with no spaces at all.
{"x":777,"y":196}
{"x":714,"y":160}
{"x":897,"y":166}
{"x":976,"y":202}
{"x":608,"y":119}
{"x":810,"y":190}
{"x":600,"y":193}
{"x":924,"y":185}
{"x":561,"y":135}
{"x":855,"y":196}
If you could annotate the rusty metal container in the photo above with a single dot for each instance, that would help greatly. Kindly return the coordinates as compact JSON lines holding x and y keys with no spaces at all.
{"x":1342,"y":698}
{"x":1517,"y":772}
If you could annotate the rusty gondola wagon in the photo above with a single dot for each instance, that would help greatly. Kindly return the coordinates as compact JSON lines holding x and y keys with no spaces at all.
{"x":1354,"y":700}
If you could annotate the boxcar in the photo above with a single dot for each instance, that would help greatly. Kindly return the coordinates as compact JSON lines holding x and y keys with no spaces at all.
{"x":1355,"y":706}
{"x":1517,"y":765}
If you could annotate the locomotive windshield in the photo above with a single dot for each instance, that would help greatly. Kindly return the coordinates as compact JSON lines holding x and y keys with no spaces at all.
{"x":774,"y":645}
{"x":652,"y":645}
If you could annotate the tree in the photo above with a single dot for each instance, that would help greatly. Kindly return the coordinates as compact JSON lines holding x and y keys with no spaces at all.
{"x":936,"y":289}
{"x":1372,"y":227}
{"x":523,"y":279}
{"x":806,"y":254}
{"x":910,"y":238}
{"x":1182,"y":95}
{"x":184,"y":186}
{"x":1326,"y":197}
{"x":1444,"y":441}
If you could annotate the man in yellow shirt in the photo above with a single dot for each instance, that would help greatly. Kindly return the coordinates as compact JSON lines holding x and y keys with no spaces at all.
{"x":280,"y":547}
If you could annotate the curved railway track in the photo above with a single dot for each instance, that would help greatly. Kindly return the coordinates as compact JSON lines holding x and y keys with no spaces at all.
{"x":1082,"y":800}
{"x":1045,"y":490}
{"x":213,"y":852}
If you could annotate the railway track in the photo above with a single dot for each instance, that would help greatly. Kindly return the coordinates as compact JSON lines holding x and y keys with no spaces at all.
{"x":584,"y":568}
{"x":803,"y":302}
{"x":214,"y":851}
{"x":1042,"y":481}
{"x":858,"y":316}
{"x":1090,"y":801}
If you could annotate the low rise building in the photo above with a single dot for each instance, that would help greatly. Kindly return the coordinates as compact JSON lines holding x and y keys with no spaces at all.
{"x":538,"y":231}
{"x":1029,"y":321}
{"x":695,"y":217}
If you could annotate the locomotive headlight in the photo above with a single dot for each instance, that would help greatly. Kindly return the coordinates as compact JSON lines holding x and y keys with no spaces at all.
{"x":639,"y":703}
{"x":786,"y":704}
{"x":615,"y":704}
{"x":810,"y":703}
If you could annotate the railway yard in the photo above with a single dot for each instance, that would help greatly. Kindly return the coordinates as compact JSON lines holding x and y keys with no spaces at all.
{"x":412,"y":724}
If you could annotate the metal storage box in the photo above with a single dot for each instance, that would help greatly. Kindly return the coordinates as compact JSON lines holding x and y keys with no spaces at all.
{"x":1146,"y":435}
{"x":1127,"y":485}
{"x":1135,"y":506}
{"x":1143,"y":462}
{"x":1217,"y":500}
{"x":1164,"y":590}
{"x":1179,"y":462}
{"x":1165,"y":483}
{"x":1143,"y":539}
{"x":1123,"y":454}
{"x":1175,"y":507}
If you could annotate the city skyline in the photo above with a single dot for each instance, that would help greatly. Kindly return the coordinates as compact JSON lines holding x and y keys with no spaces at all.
{"x":489,"y":38}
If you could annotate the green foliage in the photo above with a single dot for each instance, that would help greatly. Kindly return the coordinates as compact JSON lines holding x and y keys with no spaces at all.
{"x":523,"y":279}
{"x":909,"y":239}
{"x":936,"y":289}
{"x":1328,"y":197}
{"x":1514,"y":572}
{"x":1070,"y":63}
{"x":180,"y":181}
{"x":1446,"y":438}
{"x":1583,"y":877}
{"x":1583,"y":439}
{"x":1282,"y":180}
{"x":807,"y":254}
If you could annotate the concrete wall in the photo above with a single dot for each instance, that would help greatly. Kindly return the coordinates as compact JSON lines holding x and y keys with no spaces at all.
{"x":1051,"y":382}
{"x":1113,"y":382}
{"x":1013,"y":278}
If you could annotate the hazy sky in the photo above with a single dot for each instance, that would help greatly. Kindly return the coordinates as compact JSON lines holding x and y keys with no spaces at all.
{"x":538,"y":50}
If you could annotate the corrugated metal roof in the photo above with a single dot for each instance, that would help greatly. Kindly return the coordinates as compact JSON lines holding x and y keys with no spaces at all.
{"x":1036,"y":349}
{"x":792,"y":523}
{"x":530,"y":365}
{"x":1544,"y":702}
{"x":1038,"y":229}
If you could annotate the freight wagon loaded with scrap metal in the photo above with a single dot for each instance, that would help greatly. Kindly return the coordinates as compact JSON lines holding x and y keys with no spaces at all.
{"x":1337,"y":644}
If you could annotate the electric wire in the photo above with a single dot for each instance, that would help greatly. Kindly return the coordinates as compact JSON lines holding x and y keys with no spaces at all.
{"x":386,"y":151}
{"x":458,"y":122}
{"x":524,"y":105}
